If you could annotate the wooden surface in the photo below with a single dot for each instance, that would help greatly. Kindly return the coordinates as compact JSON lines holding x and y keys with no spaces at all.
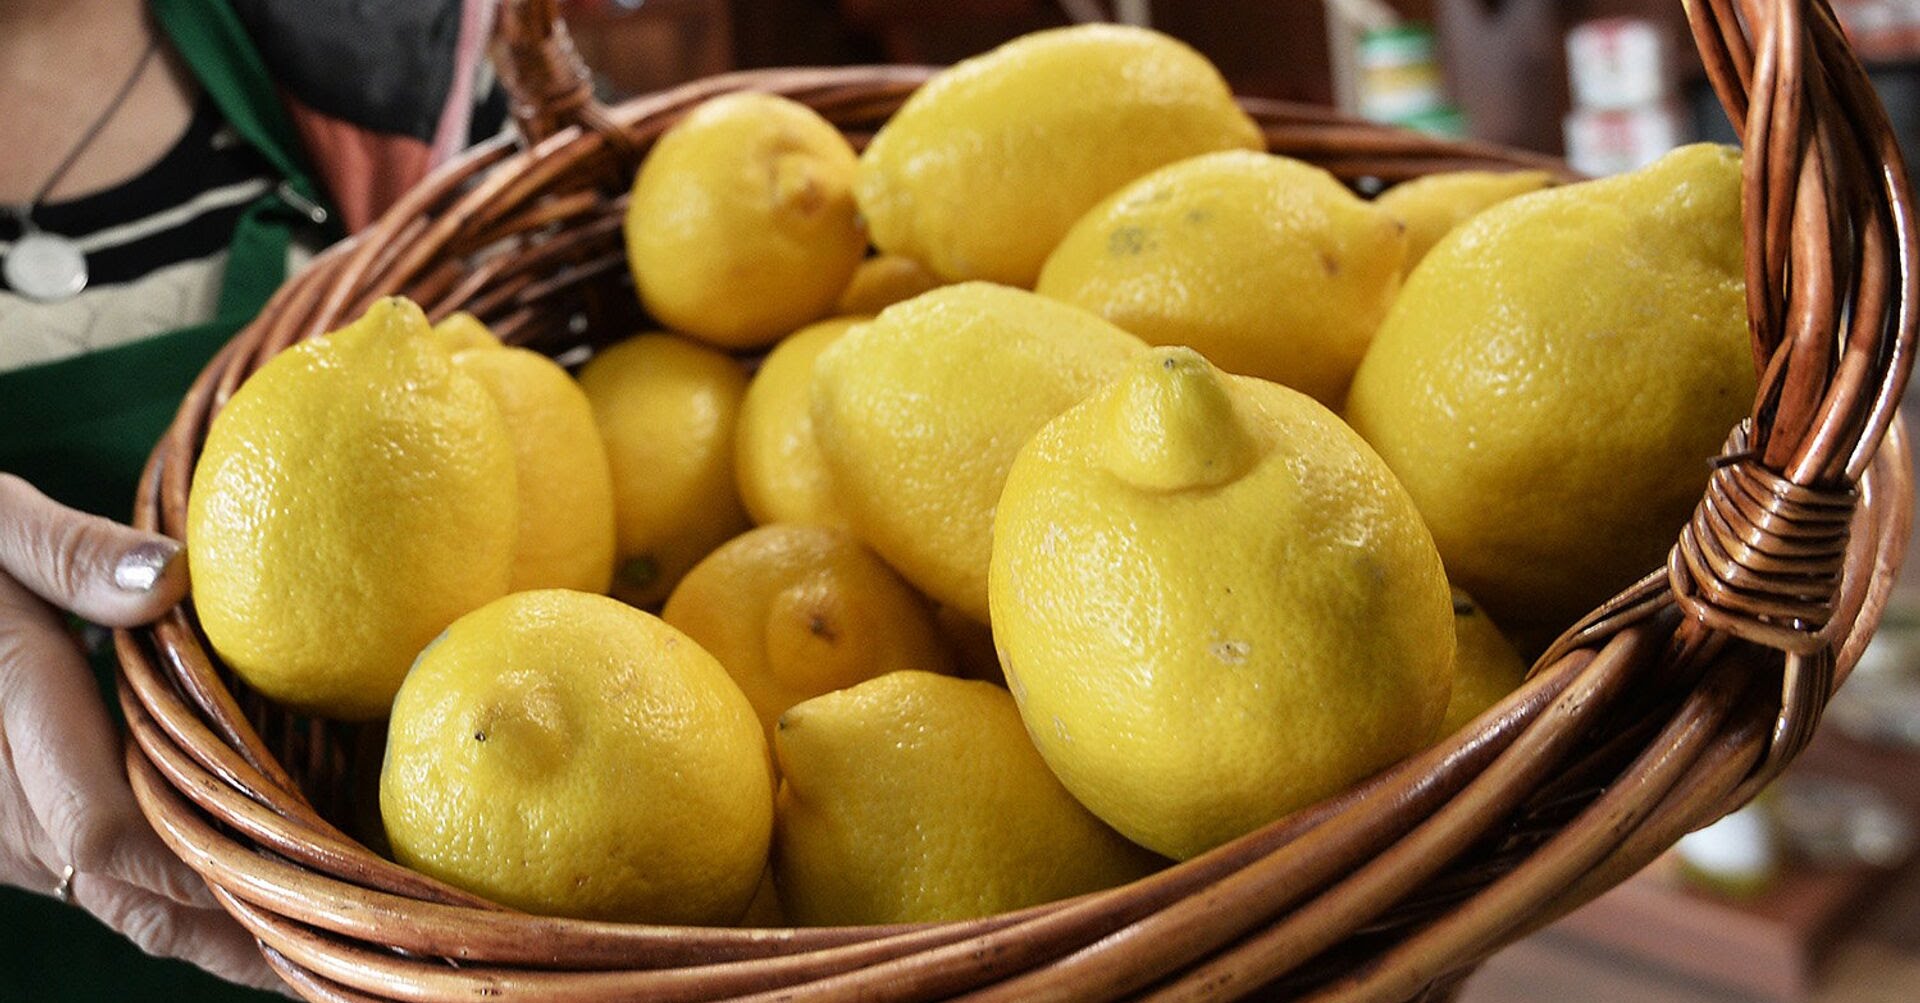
{"x":1771,"y":946}
{"x":1874,"y":956}
{"x":1875,"y":960}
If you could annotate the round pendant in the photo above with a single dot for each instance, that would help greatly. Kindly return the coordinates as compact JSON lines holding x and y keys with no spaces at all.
{"x":45,"y":267}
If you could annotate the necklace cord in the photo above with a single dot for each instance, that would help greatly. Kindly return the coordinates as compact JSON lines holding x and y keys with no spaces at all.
{"x":93,"y":131}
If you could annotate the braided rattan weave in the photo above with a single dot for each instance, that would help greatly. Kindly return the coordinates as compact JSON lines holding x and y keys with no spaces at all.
{"x":1672,"y":704}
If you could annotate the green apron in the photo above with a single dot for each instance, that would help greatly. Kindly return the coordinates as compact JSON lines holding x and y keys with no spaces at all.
{"x":80,"y":429}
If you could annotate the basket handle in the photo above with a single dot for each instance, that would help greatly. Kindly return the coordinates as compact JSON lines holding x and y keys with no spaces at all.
{"x":1832,"y":288}
{"x":548,"y":86}
{"x":1833,"y":284}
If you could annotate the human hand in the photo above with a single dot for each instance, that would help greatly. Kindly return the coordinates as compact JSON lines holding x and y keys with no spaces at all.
{"x":64,"y":800}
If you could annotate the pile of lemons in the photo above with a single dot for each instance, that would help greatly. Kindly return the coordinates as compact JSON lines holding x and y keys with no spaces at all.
{"x":1059,"y":486}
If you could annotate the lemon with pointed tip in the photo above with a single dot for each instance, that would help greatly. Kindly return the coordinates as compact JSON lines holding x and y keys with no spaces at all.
{"x":666,"y":408}
{"x":1434,"y":205}
{"x":1268,"y":266}
{"x":988,"y":164}
{"x":796,"y":611}
{"x":776,"y":457}
{"x":916,"y":797}
{"x":354,"y":497}
{"x":920,"y":411}
{"x":569,"y":755}
{"x":742,"y":224}
{"x":1214,"y":604}
{"x":1555,"y":376}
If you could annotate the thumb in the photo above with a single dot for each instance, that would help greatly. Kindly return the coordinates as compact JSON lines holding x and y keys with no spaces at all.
{"x":103,"y":571}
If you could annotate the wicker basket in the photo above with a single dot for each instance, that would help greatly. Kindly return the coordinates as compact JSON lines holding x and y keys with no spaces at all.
{"x":1672,"y":704}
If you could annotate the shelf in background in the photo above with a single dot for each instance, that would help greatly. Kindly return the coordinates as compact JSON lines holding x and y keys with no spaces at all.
{"x":1833,"y":936}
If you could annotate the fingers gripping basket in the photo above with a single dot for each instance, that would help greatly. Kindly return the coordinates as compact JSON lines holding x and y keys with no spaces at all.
{"x":1652,"y":716}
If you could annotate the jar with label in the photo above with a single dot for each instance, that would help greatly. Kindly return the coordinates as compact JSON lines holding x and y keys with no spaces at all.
{"x":1400,"y":81}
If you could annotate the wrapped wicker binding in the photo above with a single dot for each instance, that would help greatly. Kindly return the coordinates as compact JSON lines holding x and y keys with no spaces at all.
{"x":1669,"y":706}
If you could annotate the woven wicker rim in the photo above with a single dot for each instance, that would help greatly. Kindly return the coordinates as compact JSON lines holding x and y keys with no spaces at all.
{"x":1668,"y":706}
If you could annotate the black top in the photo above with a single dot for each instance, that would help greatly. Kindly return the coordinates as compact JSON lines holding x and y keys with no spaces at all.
{"x":181,"y":208}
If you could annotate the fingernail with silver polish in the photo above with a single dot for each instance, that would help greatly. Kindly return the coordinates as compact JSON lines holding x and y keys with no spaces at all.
{"x":140,"y":569}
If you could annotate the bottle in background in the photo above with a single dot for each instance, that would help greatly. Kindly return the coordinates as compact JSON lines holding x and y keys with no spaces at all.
{"x":1399,"y":80}
{"x":1624,"y":115}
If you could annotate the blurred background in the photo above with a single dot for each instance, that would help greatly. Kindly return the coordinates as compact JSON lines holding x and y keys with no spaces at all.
{"x":1603,"y":81}
{"x":1812,"y":894}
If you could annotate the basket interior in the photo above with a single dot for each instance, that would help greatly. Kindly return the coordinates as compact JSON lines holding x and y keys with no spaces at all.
{"x":1638,"y":726}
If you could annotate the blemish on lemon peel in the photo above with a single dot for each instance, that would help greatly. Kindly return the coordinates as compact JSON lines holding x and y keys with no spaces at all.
{"x":556,"y":734}
{"x":1248,"y":527}
{"x":794,"y":611}
{"x":1230,"y":652}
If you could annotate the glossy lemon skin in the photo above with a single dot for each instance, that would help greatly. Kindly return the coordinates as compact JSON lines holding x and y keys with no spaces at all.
{"x":880,"y":282}
{"x":919,"y":413}
{"x":666,"y":408}
{"x":742,"y":225}
{"x":777,"y":461}
{"x":1555,"y":376}
{"x":462,"y":330}
{"x":568,"y":755}
{"x":356,"y":495}
{"x":1214,"y":604}
{"x":1486,"y":666}
{"x":985,"y":167}
{"x":565,"y":537}
{"x":793,"y":612}
{"x":1268,"y":266}
{"x":1433,"y":205}
{"x":916,"y":798}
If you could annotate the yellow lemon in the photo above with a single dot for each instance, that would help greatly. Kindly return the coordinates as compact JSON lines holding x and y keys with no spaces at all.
{"x":742,"y":225}
{"x":354,"y":497}
{"x":1267,"y":266}
{"x":796,"y":611}
{"x":1555,"y":376}
{"x":920,"y":411}
{"x":565,"y":536}
{"x":776,"y":459}
{"x":916,"y":797}
{"x":1485,"y":666}
{"x":1432,"y":206}
{"x":880,"y":282}
{"x":462,"y":331}
{"x":983,"y":169}
{"x":1214,"y":604}
{"x":666,"y":408}
{"x":569,"y":755}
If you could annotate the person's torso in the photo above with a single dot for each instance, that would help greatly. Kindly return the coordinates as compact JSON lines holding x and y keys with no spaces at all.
{"x":155,"y":247}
